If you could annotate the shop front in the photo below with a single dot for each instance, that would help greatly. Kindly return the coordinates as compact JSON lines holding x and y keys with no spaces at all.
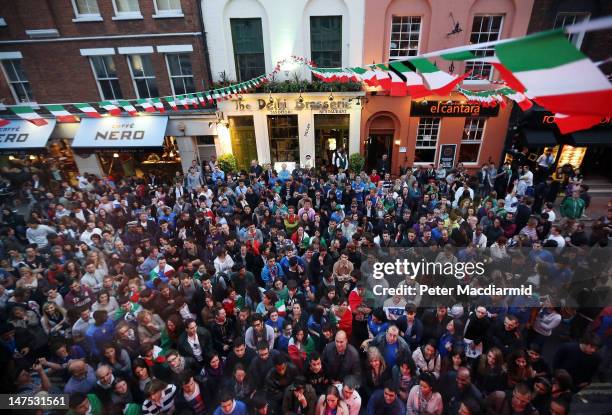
{"x":129,"y":146}
{"x":285,"y":128}
{"x":587,"y":150}
{"x":23,"y":143}
{"x":438,"y":130}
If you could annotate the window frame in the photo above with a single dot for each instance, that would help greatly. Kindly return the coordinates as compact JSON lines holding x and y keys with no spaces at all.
{"x":163,"y":14}
{"x":11,"y":83}
{"x":428,"y":147}
{"x":100,"y":91}
{"x":178,"y":76}
{"x":480,"y":130}
{"x":577,"y":37}
{"x":134,"y":77}
{"x":470,"y":80}
{"x":126,"y":15}
{"x":341,"y":50}
{"x":236,"y":55}
{"x":86,"y":17}
{"x":395,"y":58}
{"x":292,"y":139}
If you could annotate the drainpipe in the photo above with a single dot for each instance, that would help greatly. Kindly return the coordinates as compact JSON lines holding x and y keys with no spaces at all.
{"x":204,"y":42}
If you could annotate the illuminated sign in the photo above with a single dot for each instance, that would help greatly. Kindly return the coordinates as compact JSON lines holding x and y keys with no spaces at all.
{"x":121,"y":132}
{"x":22,"y":135}
{"x":451,"y":109}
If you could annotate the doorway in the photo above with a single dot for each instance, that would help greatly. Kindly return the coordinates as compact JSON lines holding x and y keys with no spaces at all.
{"x":379,"y":141}
{"x":596,"y":162}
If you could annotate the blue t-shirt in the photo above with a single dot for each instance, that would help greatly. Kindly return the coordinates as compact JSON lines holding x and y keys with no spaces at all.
{"x":391,"y":354}
{"x":239,"y":409}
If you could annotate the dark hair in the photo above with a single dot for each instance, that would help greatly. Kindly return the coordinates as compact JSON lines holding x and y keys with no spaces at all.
{"x":225,"y":395}
{"x":76,"y":399}
{"x":154,"y":386}
{"x":591,"y":339}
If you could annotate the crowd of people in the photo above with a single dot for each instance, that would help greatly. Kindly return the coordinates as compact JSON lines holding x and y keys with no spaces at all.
{"x":216,"y":292}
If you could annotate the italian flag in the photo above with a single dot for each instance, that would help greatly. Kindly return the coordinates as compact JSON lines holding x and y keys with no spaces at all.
{"x":209,"y":97}
{"x":158,"y":104}
{"x":438,"y":82}
{"x":27,"y":113}
{"x":216,"y":95}
{"x":182,"y":100}
{"x":88,"y":109}
{"x":557,"y":75}
{"x":382,"y":77}
{"x":366,"y":75}
{"x":4,"y":122}
{"x":572,"y":123}
{"x":201,"y":98}
{"x":145,"y":104}
{"x":399,"y":88}
{"x":61,"y":113}
{"x":128,"y":107}
{"x":521,"y":100}
{"x":171,"y":102}
{"x":110,"y":107}
{"x":413,"y":80}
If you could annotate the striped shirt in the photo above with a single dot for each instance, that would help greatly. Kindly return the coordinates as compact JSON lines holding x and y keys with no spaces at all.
{"x":166,"y":403}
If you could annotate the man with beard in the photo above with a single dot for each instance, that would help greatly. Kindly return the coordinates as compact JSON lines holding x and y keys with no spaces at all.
{"x":222,"y":331}
{"x":240,"y":354}
{"x":177,"y":365}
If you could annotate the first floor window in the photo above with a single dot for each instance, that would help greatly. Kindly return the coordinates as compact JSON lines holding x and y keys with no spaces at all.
{"x":181,"y":73}
{"x":427,"y":140}
{"x":17,"y":80}
{"x":85,"y":8}
{"x":106,"y":75}
{"x":471,"y":140}
{"x":284,"y":138}
{"x":484,"y":29}
{"x":143,"y":76}
{"x":405,"y":33}
{"x":326,"y":41}
{"x":123,"y":7}
{"x":247,"y":39}
{"x":168,"y":6}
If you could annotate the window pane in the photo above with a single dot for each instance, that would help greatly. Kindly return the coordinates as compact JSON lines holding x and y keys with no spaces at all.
{"x":484,"y":29}
{"x":424,"y":155}
{"x":185,"y":61}
{"x":127,"y":6}
{"x":109,"y":63}
{"x":173,"y":63}
{"x":168,"y":5}
{"x":87,"y":7}
{"x":404,"y":37}
{"x":137,"y":65}
{"x":468,"y":153}
{"x":153,"y":91}
{"x":284,"y":141}
{"x":189,"y":85}
{"x":326,"y":40}
{"x":10,"y":68}
{"x":247,"y":40}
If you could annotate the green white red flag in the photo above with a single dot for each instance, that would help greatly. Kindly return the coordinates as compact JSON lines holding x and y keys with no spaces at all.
{"x":437,"y":81}
{"x":88,"y":109}
{"x":170,"y":100}
{"x":158,"y":104}
{"x":414,"y":82}
{"x":61,"y":114}
{"x":27,"y":113}
{"x":110,"y":107}
{"x":128,"y":107}
{"x":145,"y":105}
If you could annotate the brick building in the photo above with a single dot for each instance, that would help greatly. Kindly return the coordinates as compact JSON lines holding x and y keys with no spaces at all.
{"x":589,"y":149}
{"x":68,"y":51}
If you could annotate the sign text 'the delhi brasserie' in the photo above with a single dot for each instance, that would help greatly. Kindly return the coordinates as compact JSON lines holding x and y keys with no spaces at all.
{"x":451,"y":109}
{"x":279,"y":106}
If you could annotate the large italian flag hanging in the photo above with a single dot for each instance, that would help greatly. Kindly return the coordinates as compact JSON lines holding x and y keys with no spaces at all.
{"x":557,"y":75}
{"x":438,"y":82}
{"x":27,"y":113}
{"x":61,"y":113}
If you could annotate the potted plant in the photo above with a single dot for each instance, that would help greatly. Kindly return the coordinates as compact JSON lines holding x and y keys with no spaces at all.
{"x":356,"y":162}
{"x":227,"y":163}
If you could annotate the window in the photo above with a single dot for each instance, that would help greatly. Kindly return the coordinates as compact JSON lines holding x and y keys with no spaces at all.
{"x":427,"y":140}
{"x":143,"y":76}
{"x":127,"y":9}
{"x":284,"y":138}
{"x":106,"y":75}
{"x":15,"y":75}
{"x":168,"y":8}
{"x":472,"y":139}
{"x":181,"y":73}
{"x":405,"y":33}
{"x":248,"y":48}
{"x":242,"y":135}
{"x":86,"y":9}
{"x":326,"y":41}
{"x":568,"y":19}
{"x":484,"y":29}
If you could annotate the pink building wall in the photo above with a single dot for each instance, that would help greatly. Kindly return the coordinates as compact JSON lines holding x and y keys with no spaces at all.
{"x":436,"y":22}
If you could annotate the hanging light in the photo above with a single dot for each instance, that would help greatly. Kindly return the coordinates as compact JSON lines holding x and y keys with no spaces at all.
{"x":116,"y":155}
{"x":331,"y":95}
{"x":271,"y":99}
{"x":300,"y":99}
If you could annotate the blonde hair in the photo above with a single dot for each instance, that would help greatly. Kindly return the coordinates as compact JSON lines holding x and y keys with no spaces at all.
{"x":374,"y":354}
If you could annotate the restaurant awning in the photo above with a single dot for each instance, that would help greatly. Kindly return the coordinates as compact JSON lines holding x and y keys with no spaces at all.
{"x":594,"y":137}
{"x":121,"y":133}
{"x":538,"y":138}
{"x":20,"y":136}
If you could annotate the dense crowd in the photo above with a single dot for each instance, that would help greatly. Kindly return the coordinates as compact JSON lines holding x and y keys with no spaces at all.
{"x":252,"y":293}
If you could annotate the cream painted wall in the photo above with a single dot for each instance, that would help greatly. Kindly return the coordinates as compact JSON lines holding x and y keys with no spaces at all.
{"x":286,"y":30}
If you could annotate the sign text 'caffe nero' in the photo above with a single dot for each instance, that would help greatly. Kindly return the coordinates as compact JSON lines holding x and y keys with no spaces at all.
{"x":451,"y":109}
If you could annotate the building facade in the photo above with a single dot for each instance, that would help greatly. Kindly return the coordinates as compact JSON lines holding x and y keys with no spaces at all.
{"x":74,"y":51}
{"x":587,"y":150}
{"x":400,"y":126}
